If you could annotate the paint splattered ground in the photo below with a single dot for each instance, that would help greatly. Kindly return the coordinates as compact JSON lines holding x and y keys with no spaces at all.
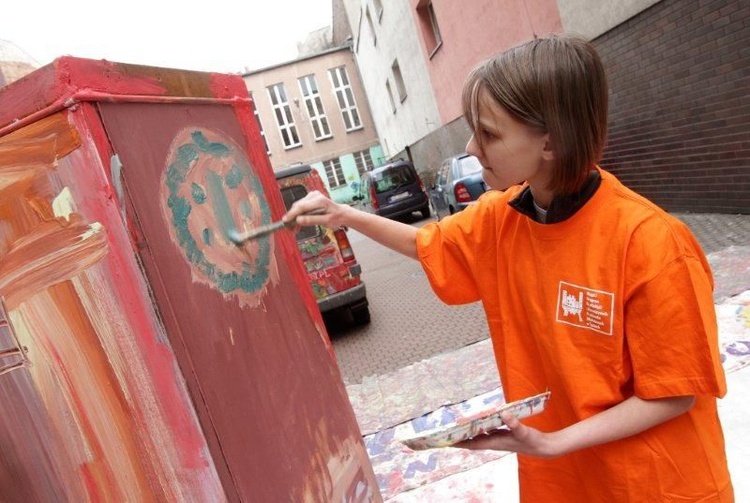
{"x":445,"y":382}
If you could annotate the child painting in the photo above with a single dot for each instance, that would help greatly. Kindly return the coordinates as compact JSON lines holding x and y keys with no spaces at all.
{"x":590,"y":291}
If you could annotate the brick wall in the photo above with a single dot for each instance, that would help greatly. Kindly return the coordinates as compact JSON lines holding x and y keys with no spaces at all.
{"x":679,"y":75}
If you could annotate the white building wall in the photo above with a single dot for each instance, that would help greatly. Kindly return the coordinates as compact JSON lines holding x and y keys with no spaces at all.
{"x":591,"y":18}
{"x":395,"y":39}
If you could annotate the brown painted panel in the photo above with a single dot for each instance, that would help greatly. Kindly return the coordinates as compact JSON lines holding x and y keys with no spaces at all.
{"x":265,"y":386}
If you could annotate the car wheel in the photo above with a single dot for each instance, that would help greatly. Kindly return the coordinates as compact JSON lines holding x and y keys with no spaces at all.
{"x":360,"y":315}
{"x":425,"y":211}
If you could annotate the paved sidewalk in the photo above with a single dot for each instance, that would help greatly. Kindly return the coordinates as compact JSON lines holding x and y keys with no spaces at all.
{"x":384,"y":402}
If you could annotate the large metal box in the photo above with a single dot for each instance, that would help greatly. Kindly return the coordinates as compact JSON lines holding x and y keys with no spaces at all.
{"x":143,"y":356}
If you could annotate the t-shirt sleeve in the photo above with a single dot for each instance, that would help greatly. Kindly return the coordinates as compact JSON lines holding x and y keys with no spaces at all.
{"x":448,"y":253}
{"x":670,"y":319}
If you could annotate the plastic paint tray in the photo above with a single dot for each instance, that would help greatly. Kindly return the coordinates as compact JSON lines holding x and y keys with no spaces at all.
{"x":467,"y":427}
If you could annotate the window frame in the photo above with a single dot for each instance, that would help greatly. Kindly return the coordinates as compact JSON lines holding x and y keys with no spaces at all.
{"x":363,"y":158}
{"x":335,"y":166}
{"x":371,"y":24}
{"x":313,"y":99}
{"x":349,"y":111}
{"x":433,"y":39}
{"x":378,"y":4}
{"x":389,"y":90}
{"x":282,"y":108}
{"x":399,"y":80}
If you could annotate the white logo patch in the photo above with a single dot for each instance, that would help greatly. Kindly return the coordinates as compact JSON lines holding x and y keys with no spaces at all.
{"x":585,"y":307}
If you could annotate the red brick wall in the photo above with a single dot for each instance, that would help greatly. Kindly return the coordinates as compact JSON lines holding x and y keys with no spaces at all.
{"x":679,"y":76}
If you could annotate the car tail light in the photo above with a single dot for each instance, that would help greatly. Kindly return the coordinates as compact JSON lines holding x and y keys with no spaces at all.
{"x":344,"y":246}
{"x":374,"y":198}
{"x":462,"y":193}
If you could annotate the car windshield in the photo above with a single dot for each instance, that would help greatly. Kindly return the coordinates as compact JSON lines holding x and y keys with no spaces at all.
{"x":290,"y":195}
{"x":392,"y":178}
{"x":468,"y":165}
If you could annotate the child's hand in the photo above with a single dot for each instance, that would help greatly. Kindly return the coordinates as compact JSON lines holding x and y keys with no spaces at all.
{"x":333,"y":214}
{"x":517,"y":438}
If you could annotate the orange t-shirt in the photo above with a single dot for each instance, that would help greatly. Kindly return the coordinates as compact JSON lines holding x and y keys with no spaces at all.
{"x":613,"y":302}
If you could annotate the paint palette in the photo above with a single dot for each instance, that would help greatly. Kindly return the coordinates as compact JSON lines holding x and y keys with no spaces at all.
{"x":477,"y":421}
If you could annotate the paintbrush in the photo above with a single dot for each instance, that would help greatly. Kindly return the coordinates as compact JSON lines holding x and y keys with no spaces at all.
{"x":264,"y":230}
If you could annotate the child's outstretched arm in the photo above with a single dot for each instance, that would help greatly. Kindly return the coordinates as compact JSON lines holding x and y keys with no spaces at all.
{"x":395,"y":235}
{"x":625,"y":419}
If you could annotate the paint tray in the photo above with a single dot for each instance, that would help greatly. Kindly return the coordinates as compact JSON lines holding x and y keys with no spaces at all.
{"x":475,"y":419}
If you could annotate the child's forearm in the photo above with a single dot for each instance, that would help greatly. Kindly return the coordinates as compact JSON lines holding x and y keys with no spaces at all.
{"x":626,"y":419}
{"x":395,"y":235}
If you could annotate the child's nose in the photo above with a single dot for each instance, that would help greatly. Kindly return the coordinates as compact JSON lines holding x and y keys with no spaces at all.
{"x":472,"y":147}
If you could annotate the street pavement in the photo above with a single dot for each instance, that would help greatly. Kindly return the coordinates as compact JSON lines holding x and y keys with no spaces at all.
{"x":390,"y":391}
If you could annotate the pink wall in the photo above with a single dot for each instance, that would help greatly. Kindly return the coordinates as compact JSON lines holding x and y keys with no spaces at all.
{"x":472,"y":32}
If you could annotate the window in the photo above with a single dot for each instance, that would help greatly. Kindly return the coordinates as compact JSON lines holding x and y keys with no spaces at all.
{"x":390,"y":95}
{"x":363,"y":160}
{"x":372,"y":26}
{"x":429,"y":26}
{"x":399,"y":80}
{"x":284,"y":118}
{"x":345,"y":98}
{"x":260,"y":126}
{"x":314,"y":106}
{"x":334,"y":173}
{"x":378,"y":8}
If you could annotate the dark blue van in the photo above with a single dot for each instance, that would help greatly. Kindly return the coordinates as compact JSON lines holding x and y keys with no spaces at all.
{"x":393,"y":190}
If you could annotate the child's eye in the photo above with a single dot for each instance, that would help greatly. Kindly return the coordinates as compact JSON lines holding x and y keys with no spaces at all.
{"x":487,"y":134}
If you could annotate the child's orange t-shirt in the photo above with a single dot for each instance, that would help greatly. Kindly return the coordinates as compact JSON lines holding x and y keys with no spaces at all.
{"x":613,"y":302}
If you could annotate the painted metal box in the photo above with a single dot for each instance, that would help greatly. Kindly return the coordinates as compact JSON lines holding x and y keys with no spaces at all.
{"x":143,"y":356}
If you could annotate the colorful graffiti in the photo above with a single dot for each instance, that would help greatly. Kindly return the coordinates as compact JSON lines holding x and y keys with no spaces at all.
{"x":319,"y":248}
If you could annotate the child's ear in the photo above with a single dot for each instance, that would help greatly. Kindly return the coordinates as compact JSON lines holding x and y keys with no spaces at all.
{"x":548,"y":154}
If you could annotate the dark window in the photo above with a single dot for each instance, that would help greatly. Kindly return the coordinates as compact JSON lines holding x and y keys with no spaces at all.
{"x":290,"y":195}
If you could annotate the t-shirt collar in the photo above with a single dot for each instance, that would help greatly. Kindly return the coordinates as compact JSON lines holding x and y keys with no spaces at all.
{"x":562,"y":207}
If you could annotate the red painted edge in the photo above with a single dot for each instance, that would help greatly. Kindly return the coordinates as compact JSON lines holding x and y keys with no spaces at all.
{"x":67,"y":76}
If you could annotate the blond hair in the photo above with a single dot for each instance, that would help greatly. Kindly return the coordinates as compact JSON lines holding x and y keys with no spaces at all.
{"x":556,"y":85}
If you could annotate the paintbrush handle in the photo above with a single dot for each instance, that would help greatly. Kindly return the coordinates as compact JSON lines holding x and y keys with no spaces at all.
{"x":264,"y":230}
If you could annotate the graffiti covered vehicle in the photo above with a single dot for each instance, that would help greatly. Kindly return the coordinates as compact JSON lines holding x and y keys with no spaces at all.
{"x":335,"y":274}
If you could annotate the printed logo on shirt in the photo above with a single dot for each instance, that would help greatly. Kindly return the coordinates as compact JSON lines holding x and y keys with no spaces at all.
{"x":585,"y":307}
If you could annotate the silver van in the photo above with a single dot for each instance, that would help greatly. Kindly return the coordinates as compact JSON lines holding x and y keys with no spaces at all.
{"x":393,"y":190}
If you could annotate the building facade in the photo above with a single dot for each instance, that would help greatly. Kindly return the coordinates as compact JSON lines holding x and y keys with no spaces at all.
{"x":678,"y":74}
{"x":394,"y":73}
{"x":14,"y":63}
{"x":313,"y":110}
{"x":454,"y":37}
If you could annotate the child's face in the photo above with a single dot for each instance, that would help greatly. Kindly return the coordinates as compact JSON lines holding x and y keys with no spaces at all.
{"x":511,"y":151}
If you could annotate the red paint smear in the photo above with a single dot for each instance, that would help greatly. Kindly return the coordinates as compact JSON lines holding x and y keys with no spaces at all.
{"x":68,"y":76}
{"x":228,"y":86}
{"x":92,"y":489}
{"x":137,"y":307}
